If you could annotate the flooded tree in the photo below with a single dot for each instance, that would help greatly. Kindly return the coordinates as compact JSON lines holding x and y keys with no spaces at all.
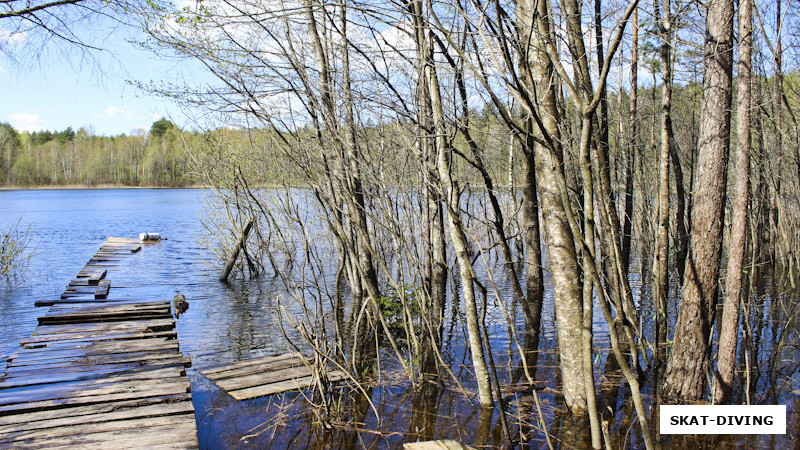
{"x":729,"y":328}
{"x":689,"y":359}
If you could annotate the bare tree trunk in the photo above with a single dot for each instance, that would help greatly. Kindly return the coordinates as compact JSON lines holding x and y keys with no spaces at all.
{"x":558,"y":235}
{"x":588,"y":282}
{"x":435,"y":253}
{"x":688,"y":362}
{"x":661,"y":272}
{"x":627,"y":227}
{"x":459,"y":242}
{"x":602,"y":112}
{"x":778,"y":175}
{"x":729,"y":331}
{"x":681,"y":209}
{"x":529,"y":210}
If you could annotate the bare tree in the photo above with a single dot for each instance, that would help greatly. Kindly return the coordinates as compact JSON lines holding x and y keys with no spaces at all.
{"x":729,"y":329}
{"x":689,"y":359}
{"x":660,"y":282}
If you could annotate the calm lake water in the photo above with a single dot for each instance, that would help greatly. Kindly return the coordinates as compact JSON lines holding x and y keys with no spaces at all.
{"x":226,"y":322}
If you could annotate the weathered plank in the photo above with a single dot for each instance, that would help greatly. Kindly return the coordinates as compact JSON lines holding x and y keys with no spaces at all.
{"x":77,"y":411}
{"x":102,"y":289}
{"x":110,"y":395}
{"x":282,"y":386}
{"x":109,"y":414}
{"x":170,"y":436}
{"x":261,"y":379}
{"x":80,"y":431}
{"x":106,"y":374}
{"x":76,"y":358}
{"x":59,"y":384}
{"x":257,"y":377}
{"x":102,"y":327}
{"x":153,"y":410}
{"x":95,"y":278}
{"x":101,"y":367}
{"x":84,"y":296}
{"x":255,"y":368}
{"x":97,"y":308}
{"x":98,"y":348}
{"x":63,"y":314}
{"x":248,"y":362}
{"x":40,"y":341}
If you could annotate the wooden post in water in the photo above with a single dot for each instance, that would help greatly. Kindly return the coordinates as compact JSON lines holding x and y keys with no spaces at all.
{"x":236,"y":249}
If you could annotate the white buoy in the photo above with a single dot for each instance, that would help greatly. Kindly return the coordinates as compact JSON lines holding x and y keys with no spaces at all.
{"x":149,"y":237}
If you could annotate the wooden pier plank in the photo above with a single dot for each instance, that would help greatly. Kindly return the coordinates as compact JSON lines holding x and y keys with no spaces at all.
{"x":32,"y":417}
{"x":107,"y":415}
{"x":258,"y":377}
{"x":264,"y":378}
{"x":249,"y":362}
{"x":123,"y":433}
{"x":255,"y":368}
{"x":281,"y":386}
{"x":70,"y":379}
{"x":100,"y":328}
{"x":39,"y":341}
{"x":103,"y":286}
{"x":95,"y":278}
{"x":94,"y":358}
{"x":63,"y":314}
{"x":104,"y":367}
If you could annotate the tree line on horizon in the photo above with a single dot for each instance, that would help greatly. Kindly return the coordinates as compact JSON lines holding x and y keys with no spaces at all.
{"x":156,"y":157}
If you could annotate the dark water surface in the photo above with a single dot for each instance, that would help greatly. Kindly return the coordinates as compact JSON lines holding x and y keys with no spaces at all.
{"x":226,"y":322}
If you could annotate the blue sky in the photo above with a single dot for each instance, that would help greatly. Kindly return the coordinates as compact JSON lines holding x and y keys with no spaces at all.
{"x":57,"y":91}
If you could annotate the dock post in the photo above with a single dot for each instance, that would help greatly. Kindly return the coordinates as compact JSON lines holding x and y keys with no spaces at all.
{"x":236,"y":249}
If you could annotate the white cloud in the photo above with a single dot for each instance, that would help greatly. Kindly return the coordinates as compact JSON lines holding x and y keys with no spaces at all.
{"x":26,"y":122}
{"x":109,"y":112}
{"x":12,"y":37}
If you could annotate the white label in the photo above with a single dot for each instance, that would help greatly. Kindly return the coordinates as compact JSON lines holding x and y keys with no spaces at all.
{"x":723,"y":419}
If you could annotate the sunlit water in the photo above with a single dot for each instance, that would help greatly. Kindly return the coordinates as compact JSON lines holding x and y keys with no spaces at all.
{"x":228,"y":321}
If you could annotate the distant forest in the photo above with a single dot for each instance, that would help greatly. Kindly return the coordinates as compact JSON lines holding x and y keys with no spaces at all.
{"x":157,"y":157}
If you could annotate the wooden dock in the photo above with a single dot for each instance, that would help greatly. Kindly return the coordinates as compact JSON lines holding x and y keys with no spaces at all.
{"x":257,"y":377}
{"x":99,"y":372}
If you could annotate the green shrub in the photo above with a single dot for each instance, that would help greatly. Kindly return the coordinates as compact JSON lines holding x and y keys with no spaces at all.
{"x":14,"y":254}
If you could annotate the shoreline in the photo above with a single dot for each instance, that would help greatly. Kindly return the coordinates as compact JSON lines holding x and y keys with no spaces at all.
{"x":98,"y":187}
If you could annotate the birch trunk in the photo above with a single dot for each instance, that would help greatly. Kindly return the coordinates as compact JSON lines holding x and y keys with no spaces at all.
{"x":459,"y":242}
{"x":558,"y":236}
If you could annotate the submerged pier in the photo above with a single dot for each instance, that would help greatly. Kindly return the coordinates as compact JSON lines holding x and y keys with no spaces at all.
{"x":100,"y":370}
